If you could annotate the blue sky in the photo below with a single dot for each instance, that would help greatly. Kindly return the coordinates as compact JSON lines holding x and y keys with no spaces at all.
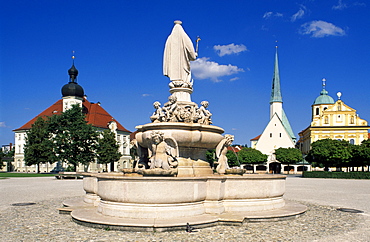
{"x":119,"y":49}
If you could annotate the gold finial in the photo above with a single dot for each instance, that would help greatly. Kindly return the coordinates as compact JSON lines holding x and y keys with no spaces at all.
{"x":73,"y":54}
{"x":276,"y":46}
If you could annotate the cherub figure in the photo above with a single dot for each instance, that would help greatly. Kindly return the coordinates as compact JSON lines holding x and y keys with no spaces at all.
{"x":171,"y":109}
{"x":158,"y":115}
{"x":221,"y":151}
{"x":203,"y":114}
{"x":163,"y":151}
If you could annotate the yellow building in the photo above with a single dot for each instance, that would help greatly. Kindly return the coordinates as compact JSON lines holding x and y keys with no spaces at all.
{"x":333,"y":120}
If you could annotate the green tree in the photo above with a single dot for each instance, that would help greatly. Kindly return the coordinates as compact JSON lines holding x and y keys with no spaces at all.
{"x":329,"y":152}
{"x":211,"y":157}
{"x":365,"y":147}
{"x":39,"y":145}
{"x":288,"y":155}
{"x":360,"y":154}
{"x":251,"y":156}
{"x":2,"y":155}
{"x":232,"y":158}
{"x":75,"y":140}
{"x":107,"y":149}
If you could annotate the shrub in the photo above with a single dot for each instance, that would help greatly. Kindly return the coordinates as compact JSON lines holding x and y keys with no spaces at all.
{"x":337,"y":175}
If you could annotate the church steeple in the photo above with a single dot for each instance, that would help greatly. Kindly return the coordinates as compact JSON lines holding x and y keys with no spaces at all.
{"x":276,"y":92}
{"x":72,"y":93}
{"x":276,"y":101}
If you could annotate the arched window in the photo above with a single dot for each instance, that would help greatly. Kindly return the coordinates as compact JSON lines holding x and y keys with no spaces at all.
{"x":317,"y":111}
{"x":352,"y":120}
{"x":339,"y":107}
{"x":352,"y":141}
{"x":326,"y":120}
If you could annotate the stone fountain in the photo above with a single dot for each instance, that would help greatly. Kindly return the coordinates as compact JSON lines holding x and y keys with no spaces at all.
{"x":173,"y":185}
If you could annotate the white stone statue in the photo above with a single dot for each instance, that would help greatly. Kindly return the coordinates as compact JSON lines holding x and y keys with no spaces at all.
{"x":162,"y":151}
{"x":221,"y":151}
{"x":203,"y":114}
{"x":178,"y":53}
{"x":158,"y":115}
{"x":171,"y":109}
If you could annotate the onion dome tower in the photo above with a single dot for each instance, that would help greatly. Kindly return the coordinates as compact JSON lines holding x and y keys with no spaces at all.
{"x":72,"y":93}
{"x":321,"y":102}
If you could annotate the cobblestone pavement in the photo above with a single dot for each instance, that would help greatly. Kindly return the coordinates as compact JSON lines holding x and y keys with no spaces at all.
{"x":42,"y":222}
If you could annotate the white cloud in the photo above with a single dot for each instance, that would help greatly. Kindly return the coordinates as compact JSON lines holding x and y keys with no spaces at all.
{"x":202,"y":68}
{"x":2,"y":125}
{"x":271,"y":14}
{"x":298,"y":14}
{"x":278,"y":15}
{"x":360,"y":4}
{"x":319,"y":29}
{"x":267,"y":15}
{"x":340,"y":5}
{"x":234,"y":79}
{"x":229,"y":49}
{"x":145,"y":95}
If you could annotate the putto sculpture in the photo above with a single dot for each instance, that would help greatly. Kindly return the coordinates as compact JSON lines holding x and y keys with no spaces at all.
{"x":158,"y":115}
{"x":163,"y":151}
{"x":172,"y":112}
{"x":203,"y":114}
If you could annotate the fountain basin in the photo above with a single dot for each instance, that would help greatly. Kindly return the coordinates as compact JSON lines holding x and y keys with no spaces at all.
{"x":175,"y":197}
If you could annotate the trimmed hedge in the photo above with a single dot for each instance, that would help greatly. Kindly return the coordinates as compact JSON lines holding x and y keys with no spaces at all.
{"x":338,"y":175}
{"x":19,"y":174}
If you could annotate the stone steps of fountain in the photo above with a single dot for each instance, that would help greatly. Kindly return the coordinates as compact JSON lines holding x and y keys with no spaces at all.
{"x":89,"y":217}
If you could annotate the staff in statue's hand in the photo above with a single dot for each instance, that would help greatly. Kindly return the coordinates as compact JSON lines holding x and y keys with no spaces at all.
{"x":196,"y":49}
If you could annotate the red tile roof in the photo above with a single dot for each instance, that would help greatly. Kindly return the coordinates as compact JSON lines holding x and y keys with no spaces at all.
{"x":256,"y":138}
{"x":133,"y":134}
{"x":235,"y":149}
{"x":96,"y":115}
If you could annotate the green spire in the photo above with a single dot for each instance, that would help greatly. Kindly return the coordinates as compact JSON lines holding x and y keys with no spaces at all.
{"x":276,"y":92}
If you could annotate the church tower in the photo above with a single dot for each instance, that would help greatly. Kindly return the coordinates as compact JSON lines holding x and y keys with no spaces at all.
{"x":278,"y":132}
{"x":72,"y":93}
{"x":322,"y":102}
{"x":276,"y":101}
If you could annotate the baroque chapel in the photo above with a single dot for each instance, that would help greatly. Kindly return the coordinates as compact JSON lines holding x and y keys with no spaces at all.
{"x":332,"y":120}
